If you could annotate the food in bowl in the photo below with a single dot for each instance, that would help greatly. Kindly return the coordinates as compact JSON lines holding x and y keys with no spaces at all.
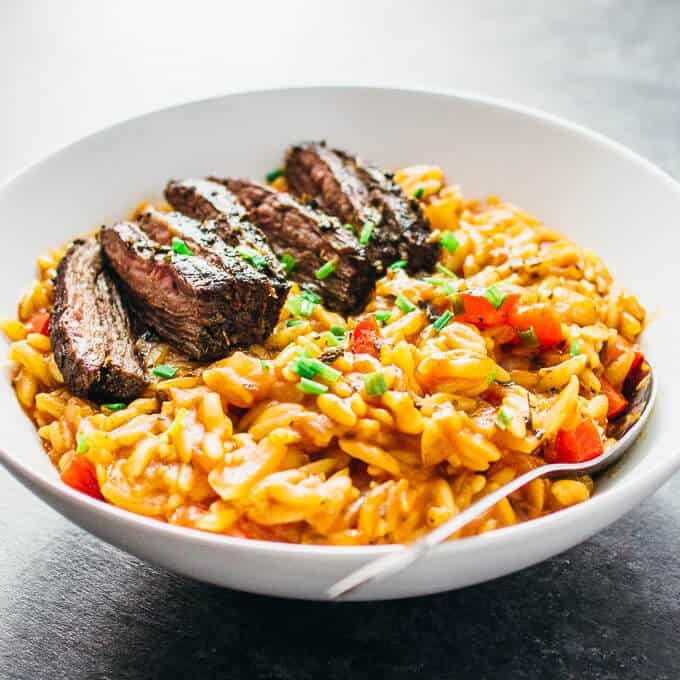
{"x":342,"y":355}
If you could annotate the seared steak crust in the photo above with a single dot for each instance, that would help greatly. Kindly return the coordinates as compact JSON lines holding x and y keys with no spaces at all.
{"x":202,"y":307}
{"x":90,"y":329}
{"x":312,"y":239}
{"x":357,"y":192}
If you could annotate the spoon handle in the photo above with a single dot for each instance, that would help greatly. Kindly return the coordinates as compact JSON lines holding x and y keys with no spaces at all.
{"x":399,"y":560}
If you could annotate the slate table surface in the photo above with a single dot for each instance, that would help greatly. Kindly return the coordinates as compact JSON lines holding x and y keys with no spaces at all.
{"x":72,"y":607}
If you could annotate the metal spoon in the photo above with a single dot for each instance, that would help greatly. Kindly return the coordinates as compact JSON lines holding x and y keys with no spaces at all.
{"x":626,"y":429}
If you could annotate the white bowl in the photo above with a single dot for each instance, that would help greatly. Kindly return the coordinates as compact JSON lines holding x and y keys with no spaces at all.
{"x":594,"y":190}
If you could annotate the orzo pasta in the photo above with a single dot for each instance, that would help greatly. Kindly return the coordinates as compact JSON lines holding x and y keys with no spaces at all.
{"x":368,"y":429}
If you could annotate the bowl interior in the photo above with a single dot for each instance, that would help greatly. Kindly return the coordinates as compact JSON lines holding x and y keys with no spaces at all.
{"x":597,"y":193}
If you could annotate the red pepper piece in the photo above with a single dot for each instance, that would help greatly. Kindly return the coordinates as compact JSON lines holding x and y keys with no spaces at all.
{"x":80,"y":475}
{"x":366,"y":337}
{"x":578,"y":445}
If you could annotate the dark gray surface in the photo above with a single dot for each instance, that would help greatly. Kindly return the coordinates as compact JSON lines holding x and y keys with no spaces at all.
{"x":72,"y":607}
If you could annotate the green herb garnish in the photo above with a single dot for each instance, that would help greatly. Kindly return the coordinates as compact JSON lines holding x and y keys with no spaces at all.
{"x":404,"y":304}
{"x":374,"y":384}
{"x":331,"y":340}
{"x":164,"y":371}
{"x":383,"y":316}
{"x":492,"y":376}
{"x":251,"y":255}
{"x":495,"y":297}
{"x":180,"y":247}
{"x":310,"y":295}
{"x":366,"y":233}
{"x":325,"y":270}
{"x":503,"y":417}
{"x":528,"y":337}
{"x":449,"y":241}
{"x":82,"y":444}
{"x":399,"y":264}
{"x":274,"y":174}
{"x":574,"y":348}
{"x":443,"y":270}
{"x":311,"y":386}
{"x":310,"y":368}
{"x":418,"y":194}
{"x":294,"y":322}
{"x":338,"y":330}
{"x":442,"y":321}
{"x":348,"y":227}
{"x":288,"y":262}
{"x":118,"y":406}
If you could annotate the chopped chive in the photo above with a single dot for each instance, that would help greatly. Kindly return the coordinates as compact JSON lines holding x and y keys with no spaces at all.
{"x":274,"y":174}
{"x":311,"y":386}
{"x":293,"y":322}
{"x":82,"y":444}
{"x":348,"y":227}
{"x":443,"y":270}
{"x":310,"y":295}
{"x":574,"y":348}
{"x":251,"y":255}
{"x":492,"y":376}
{"x":366,"y":233}
{"x":331,"y":339}
{"x":288,"y":262}
{"x":180,"y":247}
{"x":383,"y":316}
{"x":495,"y":297}
{"x":374,"y":384}
{"x":164,"y":371}
{"x":449,"y":241}
{"x":118,"y":406}
{"x":442,"y":321}
{"x":303,"y":369}
{"x":503,"y":417}
{"x":418,"y":194}
{"x":306,"y":307}
{"x":399,"y":264}
{"x":325,"y":270}
{"x":310,"y":368}
{"x":298,"y":305}
{"x":338,"y":330}
{"x":266,"y":364}
{"x":528,"y":337}
{"x":445,"y":286}
{"x":458,"y":305}
{"x":404,"y":304}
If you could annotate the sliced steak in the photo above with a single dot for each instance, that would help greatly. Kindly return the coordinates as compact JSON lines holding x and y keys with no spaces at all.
{"x":202,"y":308}
{"x":357,"y":192}
{"x":90,"y":329}
{"x":224,"y":246}
{"x":312,"y":239}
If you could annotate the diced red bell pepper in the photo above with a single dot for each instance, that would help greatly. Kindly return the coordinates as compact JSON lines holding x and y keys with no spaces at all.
{"x":81,"y":475}
{"x":578,"y":445}
{"x":40,"y":323}
{"x":481,"y":313}
{"x":617,"y":402}
{"x":366,"y":337}
{"x":616,"y":347}
{"x":542,"y":319}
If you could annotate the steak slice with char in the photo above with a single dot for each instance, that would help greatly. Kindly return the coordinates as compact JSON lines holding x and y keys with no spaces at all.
{"x":357,"y":192}
{"x":201,"y":307}
{"x":312,"y":239}
{"x":221,"y":245}
{"x":90,"y":329}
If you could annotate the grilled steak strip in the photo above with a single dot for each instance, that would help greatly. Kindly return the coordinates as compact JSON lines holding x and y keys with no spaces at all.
{"x":209,"y":240}
{"x":90,"y":329}
{"x":202,"y":309}
{"x":357,"y":192}
{"x":312,"y":239}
